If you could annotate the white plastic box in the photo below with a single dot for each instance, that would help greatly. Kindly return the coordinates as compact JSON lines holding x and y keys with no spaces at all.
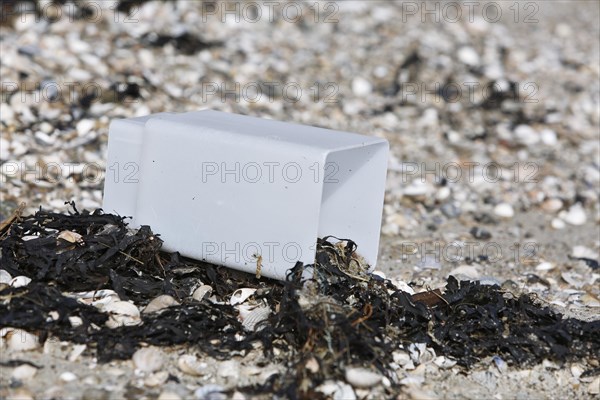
{"x":242,"y":191}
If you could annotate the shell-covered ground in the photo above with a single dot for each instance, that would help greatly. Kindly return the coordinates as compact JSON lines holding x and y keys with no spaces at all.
{"x":492,"y":114}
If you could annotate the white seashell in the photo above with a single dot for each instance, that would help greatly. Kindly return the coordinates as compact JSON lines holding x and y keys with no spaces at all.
{"x":344,"y":392}
{"x":24,"y":372}
{"x":252,"y":318}
{"x":401,"y":285}
{"x":241,"y":295}
{"x":5,"y":277}
{"x":202,"y":292}
{"x":122,"y":313}
{"x":20,"y":340}
{"x":362,"y":377}
{"x":444,"y":362}
{"x":594,"y":386}
{"x":156,"y":379}
{"x":402,"y":358}
{"x":190,"y":365}
{"x":67,"y":376}
{"x":148,"y":359}
{"x":97,"y":298}
{"x":584,"y":252}
{"x":210,"y":392}
{"x":544,"y":266}
{"x":71,"y":237}
{"x":160,"y":303}
{"x":166,"y":395}
{"x":20,"y":281}
{"x":75,"y":321}
{"x":76,"y":352}
{"x":229,"y":369}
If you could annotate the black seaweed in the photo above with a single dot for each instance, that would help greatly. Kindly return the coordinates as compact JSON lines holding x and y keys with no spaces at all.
{"x":320,"y":312}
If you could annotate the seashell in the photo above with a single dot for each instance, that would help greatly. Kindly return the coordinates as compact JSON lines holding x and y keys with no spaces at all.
{"x":71,"y":237}
{"x":251,"y":318}
{"x":210,"y":392}
{"x":20,"y":281}
{"x":20,"y":340}
{"x":166,"y":395}
{"x":401,"y":285}
{"x":148,"y":359}
{"x":229,"y":369}
{"x":190,"y":365}
{"x":76,"y":352}
{"x":156,"y":379}
{"x":444,"y":362}
{"x":24,"y":372}
{"x":202,"y":292}
{"x":96,"y":298}
{"x":75,"y":321}
{"x":5,"y":277}
{"x":362,"y":377}
{"x":420,"y":353}
{"x":160,"y":303}
{"x":67,"y":376}
{"x":337,"y":390}
{"x":122,"y":313}
{"x":241,"y":295}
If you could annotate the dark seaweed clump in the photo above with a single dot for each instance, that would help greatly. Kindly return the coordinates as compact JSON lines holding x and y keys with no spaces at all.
{"x":320,"y":313}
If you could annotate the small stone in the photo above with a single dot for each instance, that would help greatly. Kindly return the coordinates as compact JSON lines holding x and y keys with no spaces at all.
{"x":362,"y":377}
{"x":584,"y":252}
{"x":548,"y":137}
{"x":361,"y":86}
{"x":24,"y":372}
{"x":504,"y":210}
{"x":148,"y":359}
{"x":575,"y":215}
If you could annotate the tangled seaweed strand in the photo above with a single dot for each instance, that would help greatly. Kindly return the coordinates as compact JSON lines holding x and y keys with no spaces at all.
{"x":332,"y":311}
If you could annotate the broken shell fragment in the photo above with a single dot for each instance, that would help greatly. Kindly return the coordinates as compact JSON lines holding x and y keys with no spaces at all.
{"x":122,"y":313}
{"x":71,"y":237}
{"x":20,"y":281}
{"x":159,"y":303}
{"x":5,"y":277}
{"x":190,"y":365}
{"x":202,"y":292}
{"x":252,"y":317}
{"x":241,"y":295}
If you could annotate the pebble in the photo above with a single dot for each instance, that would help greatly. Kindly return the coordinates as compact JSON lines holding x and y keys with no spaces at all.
{"x":575,"y":215}
{"x":594,"y":386}
{"x":504,"y":210}
{"x":148,"y":359}
{"x":544,"y":266}
{"x":526,"y":135}
{"x":362,"y":377}
{"x":552,"y":205}
{"x":584,"y":252}
{"x":480,"y":233}
{"x":23,"y":372}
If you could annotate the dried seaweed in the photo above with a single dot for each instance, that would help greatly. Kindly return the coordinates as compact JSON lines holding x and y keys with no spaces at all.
{"x":332,"y":311}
